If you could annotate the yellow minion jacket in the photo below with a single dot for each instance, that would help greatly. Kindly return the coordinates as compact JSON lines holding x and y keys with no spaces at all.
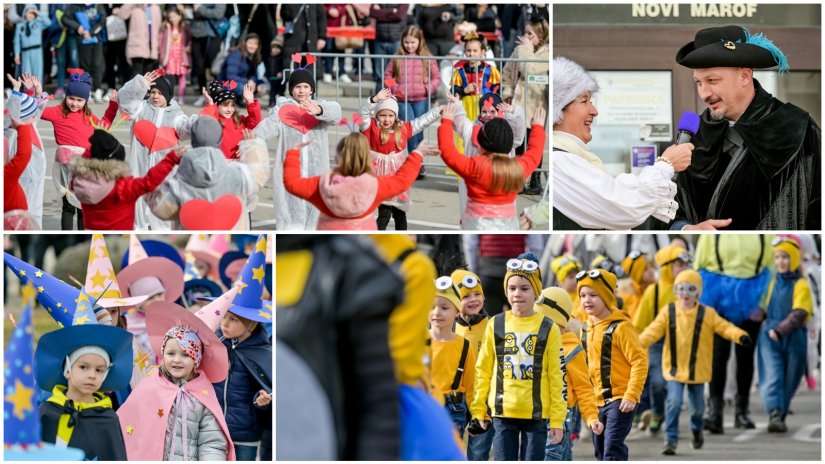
{"x":473,"y":331}
{"x":687,"y":358}
{"x":408,"y":322}
{"x":617,"y":361}
{"x":654,"y":297}
{"x":802,"y":297}
{"x":446,"y":360}
{"x":518,"y":372}
{"x":579,"y":386}
{"x":631,"y":293}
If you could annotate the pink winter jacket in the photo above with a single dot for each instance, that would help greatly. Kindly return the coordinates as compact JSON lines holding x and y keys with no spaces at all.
{"x":138,"y":44}
{"x":408,"y":82}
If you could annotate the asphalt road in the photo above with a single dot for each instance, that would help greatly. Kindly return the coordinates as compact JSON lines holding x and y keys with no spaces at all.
{"x":435,"y":198}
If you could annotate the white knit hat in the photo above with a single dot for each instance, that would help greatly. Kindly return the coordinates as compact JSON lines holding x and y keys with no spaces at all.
{"x":569,"y":81}
{"x":388,"y":104}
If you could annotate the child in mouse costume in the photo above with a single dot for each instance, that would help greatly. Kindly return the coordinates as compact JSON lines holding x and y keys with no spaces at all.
{"x":174,"y":413}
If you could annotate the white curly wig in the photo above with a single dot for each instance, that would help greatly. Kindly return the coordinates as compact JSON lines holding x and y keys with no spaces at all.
{"x":569,"y":81}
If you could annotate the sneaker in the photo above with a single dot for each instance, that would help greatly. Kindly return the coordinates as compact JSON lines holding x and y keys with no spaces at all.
{"x":98,"y":96}
{"x":644,"y":420}
{"x":200,"y":101}
{"x":776,"y":424}
{"x":344,"y":78}
{"x":698,"y":440}
{"x":670,"y":448}
{"x":108,"y":95}
{"x":655,"y":426}
{"x":327,"y":78}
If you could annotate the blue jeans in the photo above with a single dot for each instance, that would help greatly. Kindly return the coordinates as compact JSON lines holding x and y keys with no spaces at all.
{"x":781,"y":366}
{"x":563,"y":450}
{"x":658,"y":386}
{"x":478,"y":447}
{"x":673,"y":406}
{"x":610,"y":445}
{"x":458,"y":413}
{"x":378,"y":64}
{"x":245,"y":453}
{"x":409,"y":111}
{"x":67,"y":57}
{"x":508,"y":433}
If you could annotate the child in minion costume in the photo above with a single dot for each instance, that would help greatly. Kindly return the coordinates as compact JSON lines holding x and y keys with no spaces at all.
{"x":782,"y":347}
{"x":671,"y":260}
{"x":469,"y":325}
{"x":565,"y":268}
{"x":520,"y":348}
{"x":618,"y":364}
{"x":636,"y":265}
{"x":688,"y":328}
{"x":556,"y":304}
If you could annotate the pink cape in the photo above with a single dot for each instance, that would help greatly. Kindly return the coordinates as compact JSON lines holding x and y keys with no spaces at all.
{"x":140,"y":414}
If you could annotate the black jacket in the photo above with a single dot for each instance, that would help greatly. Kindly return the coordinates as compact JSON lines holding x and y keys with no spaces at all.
{"x":96,"y":430}
{"x":310,"y":26}
{"x":777,"y":184}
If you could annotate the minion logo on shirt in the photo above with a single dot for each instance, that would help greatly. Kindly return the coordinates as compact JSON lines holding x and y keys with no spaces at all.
{"x":529,"y":344}
{"x":526,"y":372}
{"x":509,"y":368}
{"x":510,"y":343}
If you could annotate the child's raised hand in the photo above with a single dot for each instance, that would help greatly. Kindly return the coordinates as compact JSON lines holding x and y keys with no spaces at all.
{"x":301,"y":145}
{"x":27,"y":80}
{"x":311,"y":107}
{"x":38,"y":87}
{"x":249,"y":92}
{"x":427,"y":149}
{"x":504,"y":107}
{"x":382,"y":95}
{"x":15,"y":83}
{"x":113,"y":96}
{"x":448,"y":111}
{"x":453,"y":98}
{"x":263,"y":398}
{"x":206,"y":96}
{"x":151,"y":77}
{"x":539,"y":116}
{"x":470,"y":89}
{"x":248,"y":135}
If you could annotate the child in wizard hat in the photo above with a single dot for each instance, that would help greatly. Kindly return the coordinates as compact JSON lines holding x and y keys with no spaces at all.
{"x":77,"y":364}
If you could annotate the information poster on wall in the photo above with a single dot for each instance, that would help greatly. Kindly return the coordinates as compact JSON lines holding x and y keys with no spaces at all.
{"x":641,"y":99}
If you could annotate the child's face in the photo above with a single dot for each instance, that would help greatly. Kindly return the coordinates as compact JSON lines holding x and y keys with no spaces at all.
{"x":174,"y":17}
{"x":252,"y":46}
{"x":443,"y":313}
{"x":487,"y":113}
{"x":649,"y":276}
{"x":233,"y":326}
{"x":202,"y":267}
{"x":472,"y":49}
{"x":591,"y":302}
{"x":156,"y":297}
{"x":570,"y":283}
{"x":275,"y":50}
{"x":520,"y":293}
{"x":472,"y":304}
{"x":157,"y":99}
{"x":386,"y":119}
{"x":301,"y":92}
{"x":114,"y":313}
{"x":177,"y":363}
{"x":531,"y":35}
{"x":226,"y":109}
{"x":87,"y":374}
{"x":31,"y":15}
{"x":677,"y":267}
{"x":410,"y":44}
{"x":686,"y":294}
{"x":782,"y":261}
{"x":75,"y":103}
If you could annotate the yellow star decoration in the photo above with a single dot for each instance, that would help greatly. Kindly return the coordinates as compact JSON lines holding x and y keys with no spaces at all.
{"x":27,"y":369}
{"x":258,"y":274}
{"x":141,"y":360}
{"x":21,"y":399}
{"x":38,"y":274}
{"x":81,"y":320}
{"x":22,"y":273}
{"x":40,"y":289}
{"x":98,"y":280}
{"x":241,"y":285}
{"x":129,"y":429}
{"x":265,"y":314}
{"x":261,"y":246}
{"x":82,"y":297}
{"x":59,"y":305}
{"x":28,"y":293}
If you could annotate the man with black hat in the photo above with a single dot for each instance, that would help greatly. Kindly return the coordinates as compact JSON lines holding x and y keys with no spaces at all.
{"x":757,"y":160}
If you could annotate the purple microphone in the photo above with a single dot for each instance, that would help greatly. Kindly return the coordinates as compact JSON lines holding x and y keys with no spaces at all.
{"x":688,"y":127}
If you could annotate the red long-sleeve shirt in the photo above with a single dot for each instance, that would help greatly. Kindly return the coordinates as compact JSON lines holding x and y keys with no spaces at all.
{"x":308,"y":188}
{"x":233,"y":133}
{"x":75,"y":129}
{"x":117,"y":210}
{"x":13,"y":195}
{"x":477,"y":171}
{"x":373,"y":134}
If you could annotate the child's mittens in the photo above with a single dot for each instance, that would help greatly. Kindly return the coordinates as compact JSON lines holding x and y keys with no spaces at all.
{"x":745,"y":340}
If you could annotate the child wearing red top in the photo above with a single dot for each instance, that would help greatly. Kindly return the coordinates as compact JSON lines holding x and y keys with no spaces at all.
{"x":348,"y":195}
{"x":13,"y":196}
{"x":220,"y":99}
{"x":73,"y":126}
{"x":493,"y":178}
{"x":388,"y":138}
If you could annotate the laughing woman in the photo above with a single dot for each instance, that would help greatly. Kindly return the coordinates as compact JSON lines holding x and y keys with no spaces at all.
{"x":585,"y":196}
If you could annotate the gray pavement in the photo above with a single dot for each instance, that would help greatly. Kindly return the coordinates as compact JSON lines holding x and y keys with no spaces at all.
{"x":435,"y":198}
{"x":802,"y":442}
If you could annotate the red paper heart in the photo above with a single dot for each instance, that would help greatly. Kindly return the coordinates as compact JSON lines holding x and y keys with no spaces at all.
{"x":297,"y":117}
{"x":310,"y":59}
{"x":155,"y":138}
{"x":74,"y":71}
{"x":389,"y":82}
{"x":201,"y":214}
{"x":296,"y":57}
{"x":357,"y":119}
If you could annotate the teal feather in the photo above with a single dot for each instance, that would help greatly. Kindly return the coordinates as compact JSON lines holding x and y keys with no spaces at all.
{"x":761,"y":41}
